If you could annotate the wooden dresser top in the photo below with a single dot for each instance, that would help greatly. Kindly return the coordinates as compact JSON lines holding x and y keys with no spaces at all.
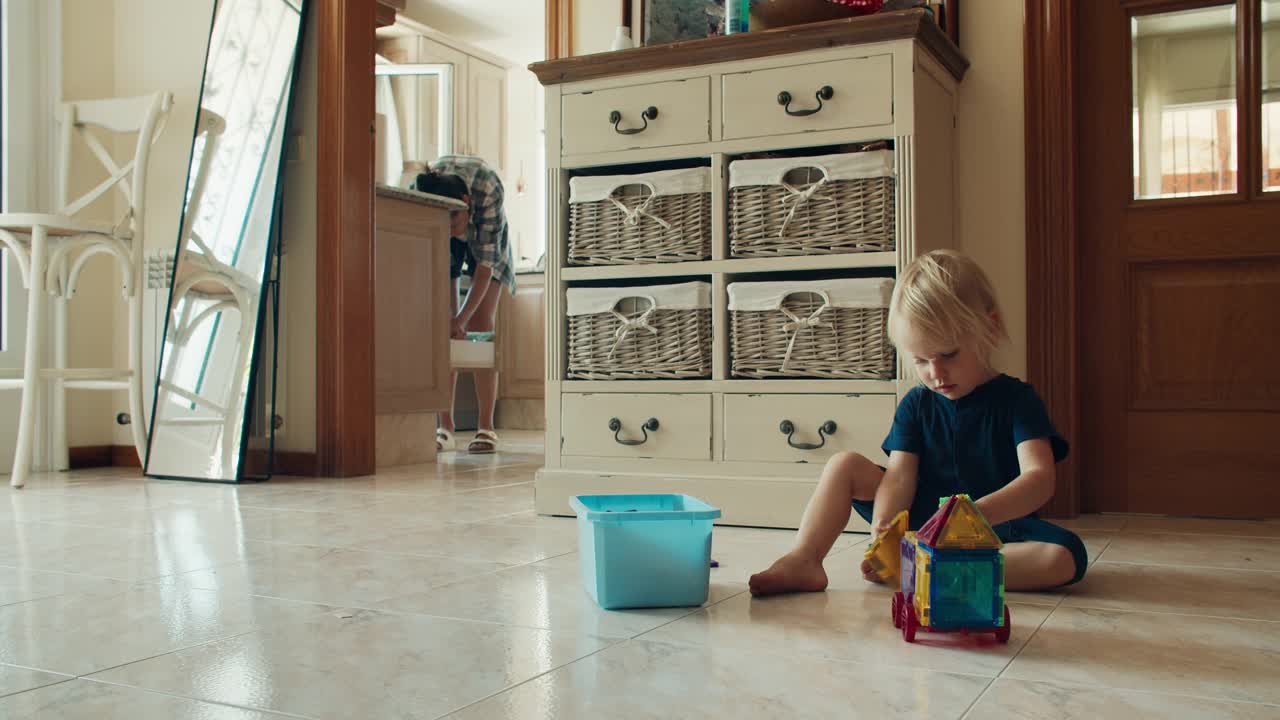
{"x":881,"y":27}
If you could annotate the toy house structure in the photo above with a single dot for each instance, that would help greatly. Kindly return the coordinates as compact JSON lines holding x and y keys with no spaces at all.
{"x":952,"y":575}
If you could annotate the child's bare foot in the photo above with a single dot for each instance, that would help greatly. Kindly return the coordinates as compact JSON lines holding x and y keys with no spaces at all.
{"x":870,"y":575}
{"x":790,"y":573}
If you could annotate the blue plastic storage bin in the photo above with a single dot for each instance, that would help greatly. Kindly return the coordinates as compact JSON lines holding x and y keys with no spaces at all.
{"x":644,"y":550}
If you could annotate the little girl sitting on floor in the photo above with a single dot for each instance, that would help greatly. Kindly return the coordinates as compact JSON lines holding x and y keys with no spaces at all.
{"x":965,"y":429}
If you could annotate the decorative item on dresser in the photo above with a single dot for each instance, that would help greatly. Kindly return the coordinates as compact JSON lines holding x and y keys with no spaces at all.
{"x":820,"y":142}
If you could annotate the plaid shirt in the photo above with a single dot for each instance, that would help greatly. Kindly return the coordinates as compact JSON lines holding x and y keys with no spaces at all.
{"x":487,"y":233}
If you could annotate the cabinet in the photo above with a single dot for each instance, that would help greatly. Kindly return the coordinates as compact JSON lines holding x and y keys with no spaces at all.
{"x":477,"y":90}
{"x":411,"y":322}
{"x":521,"y":341}
{"x":754,"y":448}
{"x":485,"y":134}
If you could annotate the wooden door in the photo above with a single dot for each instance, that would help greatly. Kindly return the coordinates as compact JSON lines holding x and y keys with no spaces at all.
{"x":1179,"y":228}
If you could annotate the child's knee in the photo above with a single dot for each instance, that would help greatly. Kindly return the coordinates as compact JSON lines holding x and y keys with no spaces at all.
{"x":1062,"y":564}
{"x":862,"y":475}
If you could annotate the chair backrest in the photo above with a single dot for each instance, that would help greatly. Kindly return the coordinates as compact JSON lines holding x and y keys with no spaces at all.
{"x":144,"y":116}
{"x":209,"y":129}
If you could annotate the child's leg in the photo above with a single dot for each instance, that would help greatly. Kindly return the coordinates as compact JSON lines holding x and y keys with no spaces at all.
{"x":1037,"y":566}
{"x":846,"y":477}
{"x":1039,"y":555}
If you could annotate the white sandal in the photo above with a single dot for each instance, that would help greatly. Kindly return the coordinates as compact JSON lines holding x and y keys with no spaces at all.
{"x":485,"y":442}
{"x":444,"y":440}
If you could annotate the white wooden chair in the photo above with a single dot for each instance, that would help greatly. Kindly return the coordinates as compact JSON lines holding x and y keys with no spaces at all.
{"x":202,"y":277}
{"x":51,"y":250}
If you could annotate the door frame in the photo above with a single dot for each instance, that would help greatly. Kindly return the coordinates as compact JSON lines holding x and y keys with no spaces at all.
{"x":344,"y":237}
{"x":344,"y":227}
{"x":1052,"y":243}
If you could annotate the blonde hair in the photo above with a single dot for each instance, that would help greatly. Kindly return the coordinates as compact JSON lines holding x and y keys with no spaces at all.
{"x":946,"y":298}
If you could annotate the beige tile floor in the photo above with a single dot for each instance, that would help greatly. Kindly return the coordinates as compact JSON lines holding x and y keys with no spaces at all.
{"x":436,"y":591}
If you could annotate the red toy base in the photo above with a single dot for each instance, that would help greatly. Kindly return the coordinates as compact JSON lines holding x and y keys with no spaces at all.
{"x":904,"y":617}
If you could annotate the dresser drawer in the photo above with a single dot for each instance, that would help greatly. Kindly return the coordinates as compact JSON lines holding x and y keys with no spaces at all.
{"x":683,"y":117}
{"x":862,"y":95}
{"x":613,"y":425}
{"x":753,"y":426}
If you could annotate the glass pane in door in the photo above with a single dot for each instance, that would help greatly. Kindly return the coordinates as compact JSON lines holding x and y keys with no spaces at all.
{"x":1271,"y":95}
{"x":1184,"y":103}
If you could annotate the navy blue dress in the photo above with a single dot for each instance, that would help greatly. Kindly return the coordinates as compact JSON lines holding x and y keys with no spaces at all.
{"x":970,"y":446}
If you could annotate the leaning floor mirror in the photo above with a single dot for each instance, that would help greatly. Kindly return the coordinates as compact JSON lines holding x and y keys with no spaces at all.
{"x":215,"y":313}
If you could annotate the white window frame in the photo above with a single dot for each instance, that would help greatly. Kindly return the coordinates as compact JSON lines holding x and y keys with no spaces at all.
{"x":444,"y":108}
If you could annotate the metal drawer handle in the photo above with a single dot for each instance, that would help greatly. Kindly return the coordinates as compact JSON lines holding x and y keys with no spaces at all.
{"x":784,"y":99}
{"x":615,"y":117}
{"x":789,"y":429}
{"x":650,"y":425}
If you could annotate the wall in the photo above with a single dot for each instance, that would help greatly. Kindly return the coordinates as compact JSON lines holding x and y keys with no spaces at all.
{"x":991,"y":164}
{"x":296,"y":377}
{"x":159,"y":45}
{"x":88,"y":72}
{"x":594,"y":24}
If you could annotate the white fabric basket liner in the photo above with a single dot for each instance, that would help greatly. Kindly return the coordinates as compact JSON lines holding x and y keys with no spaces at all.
{"x":844,"y":166}
{"x":684,"y":296}
{"x":586,"y":189}
{"x":847,"y":293}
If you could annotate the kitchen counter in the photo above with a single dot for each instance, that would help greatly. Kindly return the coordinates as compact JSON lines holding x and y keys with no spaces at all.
{"x":421,"y":198}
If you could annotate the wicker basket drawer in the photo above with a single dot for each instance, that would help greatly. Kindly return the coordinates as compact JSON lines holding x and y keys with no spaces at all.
{"x":811,"y":329}
{"x":827,"y":204}
{"x":661,"y":216}
{"x":805,"y":428}
{"x":588,"y":123}
{"x":861,"y":94}
{"x":675,"y":427}
{"x":659,"y":332}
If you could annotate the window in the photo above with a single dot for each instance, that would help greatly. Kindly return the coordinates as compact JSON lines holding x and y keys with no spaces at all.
{"x":1197,"y":151}
{"x":1184,"y":103}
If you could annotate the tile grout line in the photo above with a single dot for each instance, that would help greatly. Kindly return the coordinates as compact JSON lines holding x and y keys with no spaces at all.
{"x":1144,"y":611}
{"x":1142,"y":691}
{"x":1026,"y":644}
{"x":633,"y":638}
{"x":178,"y":696}
{"x":531,"y":679}
{"x":65,"y":679}
{"x":985,"y":690}
{"x":1183,"y":565}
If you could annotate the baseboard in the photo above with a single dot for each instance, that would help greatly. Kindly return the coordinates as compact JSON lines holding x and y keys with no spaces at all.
{"x":124,"y":456}
{"x":89,"y":456}
{"x":96,"y":456}
{"x":289,"y":462}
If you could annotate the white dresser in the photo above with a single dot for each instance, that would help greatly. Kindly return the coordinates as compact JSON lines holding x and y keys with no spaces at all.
{"x":892,"y":77}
